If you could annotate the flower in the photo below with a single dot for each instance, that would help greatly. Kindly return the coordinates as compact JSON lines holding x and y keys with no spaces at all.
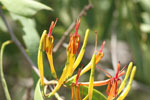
{"x":46,"y":44}
{"x":74,"y":40}
{"x":73,"y":60}
{"x":71,"y":50}
{"x":112,"y":88}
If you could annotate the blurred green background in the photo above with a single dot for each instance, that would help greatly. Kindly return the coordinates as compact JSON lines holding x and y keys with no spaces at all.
{"x":126,"y":23}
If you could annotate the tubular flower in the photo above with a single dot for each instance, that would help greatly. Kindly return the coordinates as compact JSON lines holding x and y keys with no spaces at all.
{"x":112,"y":82}
{"x":74,"y":40}
{"x":114,"y":89}
{"x":49,"y":48}
{"x":72,"y":49}
{"x":40,"y":57}
{"x":46,"y":44}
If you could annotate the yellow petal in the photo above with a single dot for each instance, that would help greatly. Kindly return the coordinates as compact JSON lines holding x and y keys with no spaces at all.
{"x":90,"y":89}
{"x":128,"y":87}
{"x":49,"y":48}
{"x":63,"y":76}
{"x":40,"y":58}
{"x":80,"y":56}
{"x":50,"y":59}
{"x":71,"y":61}
{"x":126,"y":77}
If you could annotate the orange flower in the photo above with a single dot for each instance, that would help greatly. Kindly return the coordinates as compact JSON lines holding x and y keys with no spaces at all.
{"x":113,"y":81}
{"x":74,"y":40}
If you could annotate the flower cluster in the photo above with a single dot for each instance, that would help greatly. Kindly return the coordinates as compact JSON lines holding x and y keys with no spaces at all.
{"x":114,"y":88}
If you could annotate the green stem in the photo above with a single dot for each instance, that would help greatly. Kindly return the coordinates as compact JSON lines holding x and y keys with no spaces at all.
{"x":4,"y":84}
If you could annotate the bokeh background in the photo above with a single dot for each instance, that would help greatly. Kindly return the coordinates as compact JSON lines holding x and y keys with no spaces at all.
{"x":123,"y":24}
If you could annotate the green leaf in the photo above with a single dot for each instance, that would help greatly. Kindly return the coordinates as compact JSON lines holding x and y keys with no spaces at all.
{"x":30,"y":35}
{"x":24,"y":7}
{"x":96,"y":94}
{"x":37,"y":93}
{"x":31,"y":38}
{"x":2,"y":26}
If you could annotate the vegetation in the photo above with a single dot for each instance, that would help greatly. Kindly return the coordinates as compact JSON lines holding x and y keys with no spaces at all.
{"x":76,"y":68}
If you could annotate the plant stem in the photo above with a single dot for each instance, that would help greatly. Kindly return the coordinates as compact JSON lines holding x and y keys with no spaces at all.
{"x":4,"y":84}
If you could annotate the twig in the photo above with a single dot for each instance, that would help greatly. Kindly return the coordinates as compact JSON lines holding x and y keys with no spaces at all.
{"x":70,"y":28}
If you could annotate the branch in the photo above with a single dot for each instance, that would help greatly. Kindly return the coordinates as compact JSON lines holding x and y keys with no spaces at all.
{"x":70,"y":28}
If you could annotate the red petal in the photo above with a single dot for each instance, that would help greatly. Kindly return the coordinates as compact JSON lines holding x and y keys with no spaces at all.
{"x":77,"y":26}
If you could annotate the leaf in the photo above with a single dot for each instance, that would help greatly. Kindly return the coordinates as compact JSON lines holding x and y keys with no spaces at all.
{"x":96,"y":94}
{"x":37,"y":93}
{"x":24,"y":7}
{"x":30,"y":35}
{"x":31,"y":39}
{"x":2,"y":26}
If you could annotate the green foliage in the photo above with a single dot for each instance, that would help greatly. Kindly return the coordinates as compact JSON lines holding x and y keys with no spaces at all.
{"x":29,"y":34}
{"x":24,"y":7}
{"x":2,"y":26}
{"x":131,"y":18}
